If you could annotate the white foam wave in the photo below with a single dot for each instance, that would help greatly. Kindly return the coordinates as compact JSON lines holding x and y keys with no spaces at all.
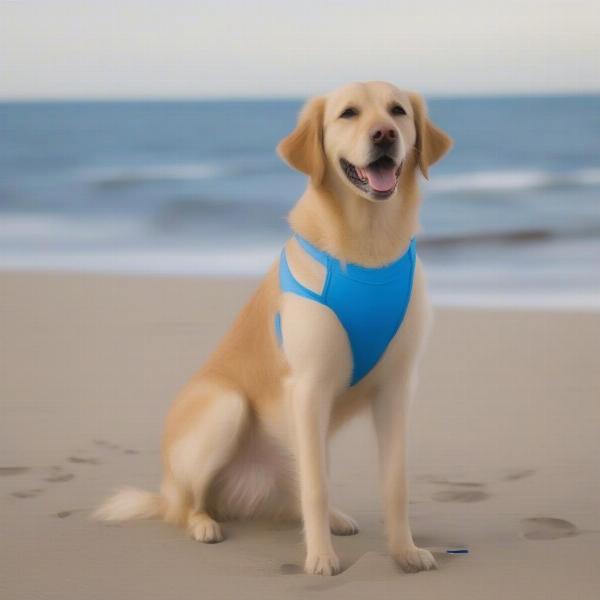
{"x":121,"y":175}
{"x":557,"y":300}
{"x":513,"y":180}
{"x":146,"y":173}
{"x":589,"y":176}
{"x":527,"y":287}
{"x":26,"y":228}
{"x":251,"y":262}
{"x":478,"y":181}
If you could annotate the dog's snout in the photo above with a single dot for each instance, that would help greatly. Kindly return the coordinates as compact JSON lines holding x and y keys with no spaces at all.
{"x":383,"y":135}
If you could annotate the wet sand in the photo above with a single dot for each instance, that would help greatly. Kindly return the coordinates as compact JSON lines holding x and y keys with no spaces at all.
{"x":504,"y":448}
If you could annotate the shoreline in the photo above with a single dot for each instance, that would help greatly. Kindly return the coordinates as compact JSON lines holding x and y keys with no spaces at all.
{"x":542,"y":300}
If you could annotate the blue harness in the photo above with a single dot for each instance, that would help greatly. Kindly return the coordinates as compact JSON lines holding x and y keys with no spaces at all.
{"x":370,"y":303}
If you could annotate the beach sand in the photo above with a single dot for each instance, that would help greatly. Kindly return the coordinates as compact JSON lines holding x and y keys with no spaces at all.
{"x":504,"y":453}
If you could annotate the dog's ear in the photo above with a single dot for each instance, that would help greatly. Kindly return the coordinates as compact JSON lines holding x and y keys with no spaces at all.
{"x":303,"y":148}
{"x":432,"y":143}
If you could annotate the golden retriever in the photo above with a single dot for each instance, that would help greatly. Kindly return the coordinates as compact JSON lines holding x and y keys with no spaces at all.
{"x":248,"y":435}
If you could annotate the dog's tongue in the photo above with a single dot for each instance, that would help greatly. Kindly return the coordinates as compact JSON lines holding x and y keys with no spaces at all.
{"x":381,"y":179}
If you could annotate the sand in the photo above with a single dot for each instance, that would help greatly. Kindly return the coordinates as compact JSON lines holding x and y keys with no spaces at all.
{"x":504,"y":453}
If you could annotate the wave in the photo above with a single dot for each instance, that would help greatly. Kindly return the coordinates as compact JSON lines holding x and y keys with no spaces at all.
{"x":23,"y":229}
{"x":514,"y":180}
{"x":244,"y":262}
{"x":509,"y":180}
{"x":540,"y":300}
{"x":515,"y":236}
{"x":461,"y":286}
{"x":122,"y":176}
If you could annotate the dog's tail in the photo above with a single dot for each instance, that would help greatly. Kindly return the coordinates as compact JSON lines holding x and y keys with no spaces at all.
{"x":131,"y":503}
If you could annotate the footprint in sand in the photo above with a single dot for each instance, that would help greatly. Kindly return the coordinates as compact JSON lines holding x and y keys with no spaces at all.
{"x":57,"y":475}
{"x":10,"y":471}
{"x":28,"y":493}
{"x":290,"y":569}
{"x":110,"y":446}
{"x":459,"y":484}
{"x":522,"y":474}
{"x":460,"y":495}
{"x":83,"y":460}
{"x":547,"y":528}
{"x":105,"y":444}
{"x":63,"y":514}
{"x":459,"y":491}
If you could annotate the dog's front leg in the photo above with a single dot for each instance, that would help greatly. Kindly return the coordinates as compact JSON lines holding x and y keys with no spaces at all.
{"x":312,"y":407}
{"x":390,"y":412}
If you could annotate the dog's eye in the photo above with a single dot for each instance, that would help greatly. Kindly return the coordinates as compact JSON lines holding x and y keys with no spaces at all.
{"x":349,"y":113}
{"x":397,"y":110}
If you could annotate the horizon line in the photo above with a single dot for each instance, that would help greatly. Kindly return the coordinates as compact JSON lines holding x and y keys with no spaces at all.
{"x":288,"y":98}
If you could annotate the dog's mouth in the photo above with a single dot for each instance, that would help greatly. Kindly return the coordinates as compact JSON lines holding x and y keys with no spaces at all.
{"x":379,"y":178}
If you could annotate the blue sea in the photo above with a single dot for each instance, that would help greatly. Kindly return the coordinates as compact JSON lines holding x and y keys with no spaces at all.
{"x":510,"y":218}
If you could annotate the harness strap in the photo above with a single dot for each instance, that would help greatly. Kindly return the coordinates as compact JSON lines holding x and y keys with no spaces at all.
{"x":319,"y":255}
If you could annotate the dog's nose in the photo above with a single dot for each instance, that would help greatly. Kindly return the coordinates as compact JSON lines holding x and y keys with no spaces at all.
{"x":383,"y":135}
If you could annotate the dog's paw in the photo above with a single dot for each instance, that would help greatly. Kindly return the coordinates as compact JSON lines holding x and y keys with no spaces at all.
{"x":413,"y":559}
{"x":204,"y":529}
{"x":322,"y":564}
{"x":341,"y":524}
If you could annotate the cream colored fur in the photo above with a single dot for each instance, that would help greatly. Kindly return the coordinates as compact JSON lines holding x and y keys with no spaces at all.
{"x":248,"y":435}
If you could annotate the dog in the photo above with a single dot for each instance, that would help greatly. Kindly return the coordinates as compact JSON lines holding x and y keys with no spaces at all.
{"x":338,"y":325}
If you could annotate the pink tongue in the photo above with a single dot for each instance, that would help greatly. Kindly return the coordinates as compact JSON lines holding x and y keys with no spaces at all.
{"x":381,"y":180}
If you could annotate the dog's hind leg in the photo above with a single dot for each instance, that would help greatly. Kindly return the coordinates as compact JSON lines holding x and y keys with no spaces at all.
{"x":212,"y":431}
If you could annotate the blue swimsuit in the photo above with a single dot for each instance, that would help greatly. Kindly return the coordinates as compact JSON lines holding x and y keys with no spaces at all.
{"x":370,"y":303}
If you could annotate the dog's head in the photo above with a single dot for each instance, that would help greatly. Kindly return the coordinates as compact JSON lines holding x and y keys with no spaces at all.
{"x":363,"y":135}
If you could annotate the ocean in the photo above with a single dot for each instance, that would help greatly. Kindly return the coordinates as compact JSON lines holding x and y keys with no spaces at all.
{"x":510,"y":218}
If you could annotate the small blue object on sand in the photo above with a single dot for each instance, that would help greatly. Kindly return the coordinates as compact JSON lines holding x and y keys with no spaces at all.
{"x":443,"y":550}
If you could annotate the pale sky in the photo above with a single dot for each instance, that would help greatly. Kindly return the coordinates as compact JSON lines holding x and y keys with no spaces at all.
{"x":205,"y":48}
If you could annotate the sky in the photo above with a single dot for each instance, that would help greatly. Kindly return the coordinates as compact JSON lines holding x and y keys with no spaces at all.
{"x":206,"y":48}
